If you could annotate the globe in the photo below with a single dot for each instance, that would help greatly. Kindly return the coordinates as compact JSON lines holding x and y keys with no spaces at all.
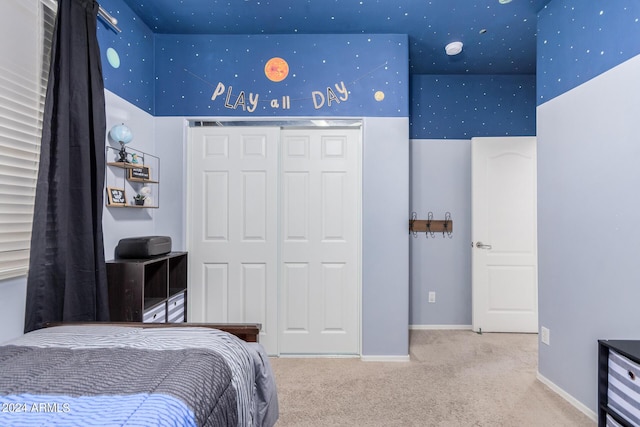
{"x":121,"y":134}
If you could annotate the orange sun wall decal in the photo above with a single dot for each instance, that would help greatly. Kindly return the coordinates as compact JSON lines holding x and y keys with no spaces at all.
{"x":276,"y":69}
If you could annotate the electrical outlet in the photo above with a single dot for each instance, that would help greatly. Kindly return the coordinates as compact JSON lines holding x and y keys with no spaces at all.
{"x":432,"y":296}
{"x":545,"y":335}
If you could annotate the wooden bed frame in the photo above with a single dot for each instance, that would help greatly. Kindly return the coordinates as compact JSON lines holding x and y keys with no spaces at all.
{"x":248,"y":332}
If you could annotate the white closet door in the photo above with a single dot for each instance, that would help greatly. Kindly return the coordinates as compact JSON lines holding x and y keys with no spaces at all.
{"x":233,"y":234}
{"x":277,"y":244}
{"x":320,"y":214}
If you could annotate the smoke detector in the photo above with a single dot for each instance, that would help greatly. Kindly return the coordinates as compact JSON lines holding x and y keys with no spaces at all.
{"x":453,"y":48}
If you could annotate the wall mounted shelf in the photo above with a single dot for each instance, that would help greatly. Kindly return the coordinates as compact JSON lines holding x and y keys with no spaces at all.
{"x":125,"y":180}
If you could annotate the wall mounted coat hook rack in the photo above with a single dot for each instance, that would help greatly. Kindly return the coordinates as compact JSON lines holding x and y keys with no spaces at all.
{"x":430,"y":226}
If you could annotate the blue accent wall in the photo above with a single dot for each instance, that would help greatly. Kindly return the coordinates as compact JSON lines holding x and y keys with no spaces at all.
{"x":463,"y":106}
{"x":578,"y":39}
{"x":361,"y":75}
{"x":328,"y":75}
{"x":132,"y":51}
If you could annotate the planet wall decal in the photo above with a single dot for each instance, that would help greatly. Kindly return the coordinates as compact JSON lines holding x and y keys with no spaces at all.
{"x":113,"y":58}
{"x":276,"y":69}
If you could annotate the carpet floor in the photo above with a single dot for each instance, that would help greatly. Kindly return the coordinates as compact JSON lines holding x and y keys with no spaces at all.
{"x":454,"y":378}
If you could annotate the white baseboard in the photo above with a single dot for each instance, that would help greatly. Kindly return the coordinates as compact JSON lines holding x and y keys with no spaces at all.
{"x":385,"y":358}
{"x":441,"y":327}
{"x":566,"y":396}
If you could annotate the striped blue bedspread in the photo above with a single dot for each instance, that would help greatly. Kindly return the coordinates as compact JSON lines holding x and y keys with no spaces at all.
{"x":250,"y":388}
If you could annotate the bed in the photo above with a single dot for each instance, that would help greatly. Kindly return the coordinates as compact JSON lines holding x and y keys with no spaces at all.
{"x":137,"y":375}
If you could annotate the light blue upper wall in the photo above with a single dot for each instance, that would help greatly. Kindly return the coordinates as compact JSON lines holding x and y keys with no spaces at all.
{"x":578,"y":40}
{"x":588,"y":178}
{"x":466,"y":106}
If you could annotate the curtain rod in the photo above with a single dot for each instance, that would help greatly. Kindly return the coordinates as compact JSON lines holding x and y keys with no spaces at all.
{"x":110,"y":20}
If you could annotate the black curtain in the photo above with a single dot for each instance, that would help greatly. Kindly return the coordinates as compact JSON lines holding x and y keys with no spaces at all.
{"x":67,"y":278}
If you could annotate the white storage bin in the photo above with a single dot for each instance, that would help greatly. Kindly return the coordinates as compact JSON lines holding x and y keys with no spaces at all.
{"x":623,"y":393}
{"x":156,"y":314}
{"x":175,"y":308}
{"x":612,"y":423}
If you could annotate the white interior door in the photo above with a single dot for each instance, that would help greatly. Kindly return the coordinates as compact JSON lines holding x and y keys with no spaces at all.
{"x":504,"y":230}
{"x":319,"y":292}
{"x":233,"y":235}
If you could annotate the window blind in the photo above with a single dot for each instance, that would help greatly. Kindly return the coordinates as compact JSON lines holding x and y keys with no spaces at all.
{"x":24,"y":67}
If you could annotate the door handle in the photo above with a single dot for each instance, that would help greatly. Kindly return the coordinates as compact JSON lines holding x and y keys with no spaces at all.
{"x":481,"y":245}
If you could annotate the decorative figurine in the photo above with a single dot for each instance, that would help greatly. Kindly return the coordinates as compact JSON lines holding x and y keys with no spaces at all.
{"x":145,"y":192}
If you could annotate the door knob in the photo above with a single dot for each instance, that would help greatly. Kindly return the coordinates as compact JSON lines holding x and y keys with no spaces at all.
{"x":481,"y":245}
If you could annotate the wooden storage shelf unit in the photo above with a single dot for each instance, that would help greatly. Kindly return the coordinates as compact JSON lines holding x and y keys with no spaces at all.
{"x":148,"y":289}
{"x":177,"y":271}
{"x":619,"y":403}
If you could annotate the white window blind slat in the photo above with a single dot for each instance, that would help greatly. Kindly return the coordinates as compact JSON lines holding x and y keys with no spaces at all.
{"x":20,"y":110}
{"x":22,"y":77}
{"x":17,"y":200}
{"x":24,"y":66}
{"x":22,"y":139}
{"x":18,"y":82}
{"x":18,"y":102}
{"x":12,"y":242}
{"x":29,"y":182}
{"x":13,"y":264}
{"x":25,"y":209}
{"x":18,"y":156}
{"x":14,"y":163}
{"x":14,"y":218}
{"x":18,"y":173}
{"x":28,"y":148}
